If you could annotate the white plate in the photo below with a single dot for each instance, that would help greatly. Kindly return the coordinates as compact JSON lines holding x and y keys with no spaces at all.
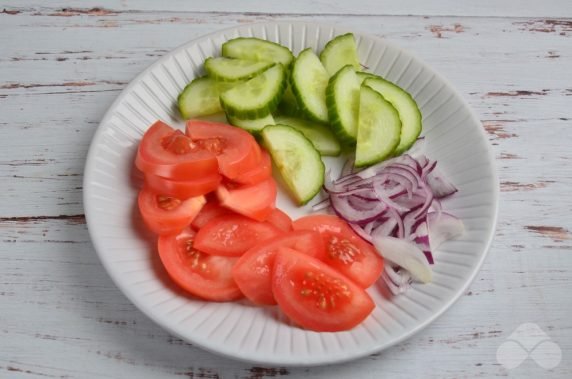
{"x":454,"y":137}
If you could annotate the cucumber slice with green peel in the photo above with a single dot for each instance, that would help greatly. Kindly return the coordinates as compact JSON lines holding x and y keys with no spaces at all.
{"x":407,"y":108}
{"x":320,"y":135}
{"x":342,"y":98}
{"x":379,"y":128}
{"x":257,"y":97}
{"x":309,"y":80}
{"x":252,"y":126}
{"x":231,"y":69}
{"x":362,"y":76}
{"x":340,"y":52}
{"x":297,"y":160}
{"x":201,"y":97}
{"x":256,"y":49}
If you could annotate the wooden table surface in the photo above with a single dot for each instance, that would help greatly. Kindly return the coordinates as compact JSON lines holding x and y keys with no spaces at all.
{"x":62,"y":63}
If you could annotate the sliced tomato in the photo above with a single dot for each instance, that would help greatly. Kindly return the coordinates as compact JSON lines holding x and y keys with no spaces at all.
{"x":233,"y":235}
{"x":258,"y":173}
{"x":253,"y":271}
{"x":316,"y":296}
{"x":166,"y":214}
{"x":168,"y":153}
{"x":280,"y":220}
{"x":183,"y":189}
{"x":236,"y":150}
{"x":255,"y":201}
{"x":203,"y":275}
{"x":211,"y":210}
{"x":345,"y":250}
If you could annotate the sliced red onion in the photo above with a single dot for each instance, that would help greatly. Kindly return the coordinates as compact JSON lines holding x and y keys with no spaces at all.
{"x":398,"y":280}
{"x":353,"y":214}
{"x":404,"y":254}
{"x":439,"y":185}
{"x":395,"y":205}
{"x":443,"y":227}
{"x":385,"y":229}
{"x":360,"y":232}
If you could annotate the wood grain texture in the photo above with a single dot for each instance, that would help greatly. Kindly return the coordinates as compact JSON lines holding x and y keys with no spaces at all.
{"x":63,"y":63}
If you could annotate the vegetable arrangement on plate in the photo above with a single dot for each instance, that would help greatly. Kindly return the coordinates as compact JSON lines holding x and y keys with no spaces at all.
{"x":210,"y":196}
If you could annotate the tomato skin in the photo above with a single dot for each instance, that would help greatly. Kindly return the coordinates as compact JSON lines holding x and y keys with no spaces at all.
{"x":153,"y":158}
{"x":280,"y":220}
{"x":208,"y":277}
{"x":211,"y":210}
{"x":167,"y":221}
{"x":345,"y":250}
{"x":317,"y":296}
{"x":253,"y":270}
{"x":183,"y":189}
{"x":236,"y":150}
{"x":255,"y":201}
{"x":258,"y":173}
{"x":232,"y":235}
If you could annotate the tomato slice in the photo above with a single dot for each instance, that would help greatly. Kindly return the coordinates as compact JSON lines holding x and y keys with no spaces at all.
{"x":253,"y":271}
{"x":316,"y":296}
{"x":280,"y":220}
{"x":236,"y":150}
{"x":211,"y":210}
{"x":168,"y":153}
{"x":258,"y":173}
{"x":346,"y":251}
{"x":203,"y":275}
{"x":167,"y":215}
{"x":183,"y":189}
{"x":233,"y":235}
{"x":255,"y":201}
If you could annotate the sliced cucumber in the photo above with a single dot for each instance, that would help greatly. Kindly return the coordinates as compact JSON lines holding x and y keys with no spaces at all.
{"x":256,"y":49}
{"x":297,"y":160}
{"x":320,"y":135}
{"x":231,"y":70}
{"x":257,"y":97}
{"x":252,"y":126}
{"x":216,"y":117}
{"x":288,"y":106}
{"x":407,"y":108}
{"x":201,"y":97}
{"x":309,"y":81}
{"x":342,"y":98}
{"x":340,"y":52}
{"x":362,"y":76}
{"x":378,"y":130}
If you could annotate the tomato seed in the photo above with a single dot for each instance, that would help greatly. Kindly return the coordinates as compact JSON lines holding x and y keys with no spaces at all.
{"x":167,"y":203}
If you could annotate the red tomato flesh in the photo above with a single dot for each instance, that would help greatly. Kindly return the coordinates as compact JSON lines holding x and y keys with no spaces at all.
{"x":183,"y":189}
{"x":316,"y":296}
{"x":236,"y":150}
{"x":345,"y":250}
{"x":255,"y":201}
{"x":232,"y":235}
{"x":253,"y":271}
{"x":202,"y":275}
{"x":165,"y":214}
{"x":168,"y":153}
{"x":280,"y":220}
{"x":258,"y":173}
{"x":212,"y":209}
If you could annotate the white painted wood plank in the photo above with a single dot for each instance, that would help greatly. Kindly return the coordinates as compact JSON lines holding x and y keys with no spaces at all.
{"x":494,"y":8}
{"x":61,"y":315}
